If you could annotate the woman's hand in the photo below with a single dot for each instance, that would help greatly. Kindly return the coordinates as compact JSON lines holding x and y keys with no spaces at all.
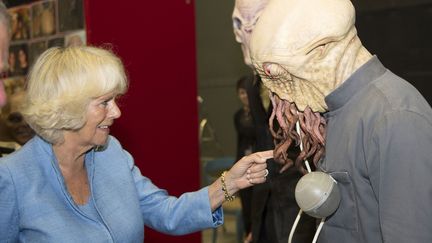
{"x":249,"y":170}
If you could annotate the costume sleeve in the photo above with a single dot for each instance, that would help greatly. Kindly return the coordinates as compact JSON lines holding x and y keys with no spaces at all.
{"x":403,"y":180}
{"x":188,"y":213}
{"x":8,"y":207}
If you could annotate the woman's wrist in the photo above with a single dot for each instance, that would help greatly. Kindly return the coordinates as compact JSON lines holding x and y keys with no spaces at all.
{"x":217,"y":195}
{"x":227,"y":187}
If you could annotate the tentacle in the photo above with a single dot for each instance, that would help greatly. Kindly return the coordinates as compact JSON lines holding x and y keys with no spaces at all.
{"x":287,"y":165}
{"x":292,"y":116}
{"x":281,"y":155}
{"x":299,"y":162}
{"x":272,"y":116}
{"x":318,"y":155}
{"x":312,"y":137}
{"x":315,"y":129}
{"x":279,"y":116}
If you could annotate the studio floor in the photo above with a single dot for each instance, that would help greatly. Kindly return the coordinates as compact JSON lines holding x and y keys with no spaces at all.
{"x":227,"y":235}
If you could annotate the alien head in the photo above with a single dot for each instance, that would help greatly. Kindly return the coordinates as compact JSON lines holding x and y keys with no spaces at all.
{"x":245,"y":16}
{"x":303,"y":50}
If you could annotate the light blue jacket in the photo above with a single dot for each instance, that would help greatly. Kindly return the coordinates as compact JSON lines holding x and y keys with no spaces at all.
{"x":36,"y":207}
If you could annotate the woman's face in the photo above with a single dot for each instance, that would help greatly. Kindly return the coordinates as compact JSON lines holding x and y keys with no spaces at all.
{"x":22,"y":56}
{"x":242,"y":94}
{"x":101,"y":113}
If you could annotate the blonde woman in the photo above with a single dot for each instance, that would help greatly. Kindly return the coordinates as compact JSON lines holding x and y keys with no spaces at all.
{"x":73,"y":182}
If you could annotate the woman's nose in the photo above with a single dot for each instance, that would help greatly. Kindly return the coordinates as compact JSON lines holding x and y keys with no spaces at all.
{"x":114,"y":111}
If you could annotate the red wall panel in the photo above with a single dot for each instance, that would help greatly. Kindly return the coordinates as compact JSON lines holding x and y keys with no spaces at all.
{"x":159,"y":124}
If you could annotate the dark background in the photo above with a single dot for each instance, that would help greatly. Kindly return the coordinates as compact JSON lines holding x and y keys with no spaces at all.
{"x":400,"y":34}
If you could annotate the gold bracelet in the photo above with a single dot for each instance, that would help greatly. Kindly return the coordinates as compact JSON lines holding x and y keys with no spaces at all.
{"x":224,"y":189}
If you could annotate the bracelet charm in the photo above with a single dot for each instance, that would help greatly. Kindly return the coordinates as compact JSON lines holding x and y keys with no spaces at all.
{"x":228,"y":197}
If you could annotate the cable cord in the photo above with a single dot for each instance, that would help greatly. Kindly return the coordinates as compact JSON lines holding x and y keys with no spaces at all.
{"x":301,"y":145}
{"x":318,"y":230}
{"x":293,"y":228}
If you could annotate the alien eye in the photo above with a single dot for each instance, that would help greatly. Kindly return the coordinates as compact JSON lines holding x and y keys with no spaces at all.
{"x":320,"y":49}
{"x":237,"y":23}
{"x":273,"y":70}
{"x":256,"y":20}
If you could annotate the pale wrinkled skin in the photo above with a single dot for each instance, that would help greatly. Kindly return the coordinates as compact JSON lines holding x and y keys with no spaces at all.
{"x":303,"y":50}
{"x":245,"y":16}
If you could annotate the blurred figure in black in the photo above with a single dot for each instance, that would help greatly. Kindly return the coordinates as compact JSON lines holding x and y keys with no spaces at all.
{"x":245,"y":129}
{"x":273,"y":207}
{"x":243,"y":122}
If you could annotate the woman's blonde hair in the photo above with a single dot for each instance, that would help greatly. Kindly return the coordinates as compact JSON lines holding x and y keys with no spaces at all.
{"x":61,"y":84}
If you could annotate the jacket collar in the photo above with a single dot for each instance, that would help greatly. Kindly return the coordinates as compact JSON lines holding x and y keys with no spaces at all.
{"x":366,"y":74}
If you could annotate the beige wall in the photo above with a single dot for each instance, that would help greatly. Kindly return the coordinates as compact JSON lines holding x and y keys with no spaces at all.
{"x":220,"y":64}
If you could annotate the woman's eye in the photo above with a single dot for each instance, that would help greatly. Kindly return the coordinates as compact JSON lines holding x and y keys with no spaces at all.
{"x":105,"y":102}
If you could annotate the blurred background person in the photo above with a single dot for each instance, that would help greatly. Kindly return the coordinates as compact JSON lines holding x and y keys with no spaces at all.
{"x":243,"y":121}
{"x":23,"y":64}
{"x":18,"y":64}
{"x":245,"y":130}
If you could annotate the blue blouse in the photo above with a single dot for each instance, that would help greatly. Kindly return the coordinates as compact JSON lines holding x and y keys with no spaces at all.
{"x":35,"y":205}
